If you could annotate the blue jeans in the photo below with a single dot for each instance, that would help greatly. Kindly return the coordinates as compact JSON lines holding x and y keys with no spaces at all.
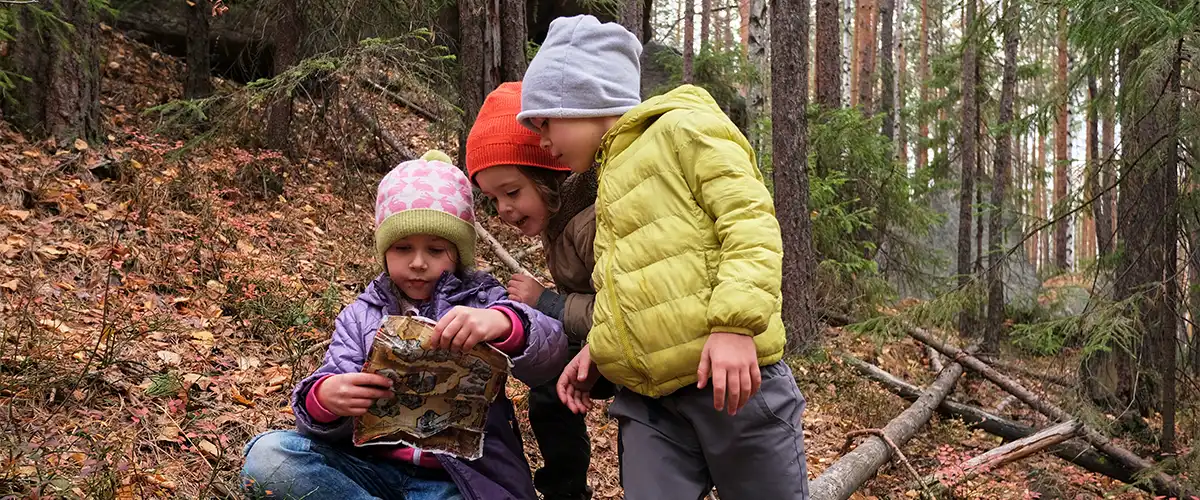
{"x":287,"y":464}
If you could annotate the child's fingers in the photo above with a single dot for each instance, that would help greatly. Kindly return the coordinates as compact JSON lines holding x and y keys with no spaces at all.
{"x":734,"y":391}
{"x":452,"y":330}
{"x":755,"y":379}
{"x":582,"y":369}
{"x":365,"y":392}
{"x":746,"y":392}
{"x":718,"y":387}
{"x":368,"y":379}
{"x":703,"y":371}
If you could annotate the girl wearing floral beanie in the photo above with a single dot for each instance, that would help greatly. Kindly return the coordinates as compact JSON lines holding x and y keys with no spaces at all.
{"x":425,"y":243}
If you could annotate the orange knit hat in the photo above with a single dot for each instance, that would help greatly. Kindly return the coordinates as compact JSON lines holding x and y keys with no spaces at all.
{"x":497,"y":138}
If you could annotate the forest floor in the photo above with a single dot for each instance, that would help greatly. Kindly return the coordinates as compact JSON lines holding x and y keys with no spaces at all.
{"x":159,"y":302}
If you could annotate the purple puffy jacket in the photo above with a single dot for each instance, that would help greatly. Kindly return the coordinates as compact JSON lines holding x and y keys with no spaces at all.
{"x":502,"y":472}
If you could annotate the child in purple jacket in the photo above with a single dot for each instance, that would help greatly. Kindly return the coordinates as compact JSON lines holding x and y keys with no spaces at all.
{"x":425,"y":239}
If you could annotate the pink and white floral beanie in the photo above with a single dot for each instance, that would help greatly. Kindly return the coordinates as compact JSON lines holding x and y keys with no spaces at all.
{"x":426,"y":196}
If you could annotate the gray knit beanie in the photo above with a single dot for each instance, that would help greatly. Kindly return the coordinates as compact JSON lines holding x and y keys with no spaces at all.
{"x":585,"y":69}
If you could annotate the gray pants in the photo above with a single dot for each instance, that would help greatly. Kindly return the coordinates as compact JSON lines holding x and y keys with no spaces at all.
{"x":679,"y":447}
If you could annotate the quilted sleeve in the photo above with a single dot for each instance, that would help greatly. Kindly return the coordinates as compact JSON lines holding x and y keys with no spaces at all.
{"x":726,"y":184}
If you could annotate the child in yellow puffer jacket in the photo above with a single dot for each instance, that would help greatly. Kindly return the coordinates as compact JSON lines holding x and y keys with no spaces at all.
{"x":688,"y":267}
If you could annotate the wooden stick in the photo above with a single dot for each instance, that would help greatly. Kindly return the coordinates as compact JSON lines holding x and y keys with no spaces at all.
{"x":1043,"y":377}
{"x":500,"y":252}
{"x":401,"y":100}
{"x":846,"y":475}
{"x":895,"y":448}
{"x":373,"y":125}
{"x":935,"y":359}
{"x":1005,"y":403}
{"x":518,"y":255}
{"x":1074,"y":451}
{"x":1161,"y":483}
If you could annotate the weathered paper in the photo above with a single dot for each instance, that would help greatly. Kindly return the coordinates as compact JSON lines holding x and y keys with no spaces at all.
{"x":439,"y":399}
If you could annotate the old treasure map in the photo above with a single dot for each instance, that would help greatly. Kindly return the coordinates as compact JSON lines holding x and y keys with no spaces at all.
{"x":439,"y":398}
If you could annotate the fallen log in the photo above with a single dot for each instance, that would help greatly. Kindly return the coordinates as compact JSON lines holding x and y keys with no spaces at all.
{"x":846,"y":475}
{"x":1074,"y":451}
{"x":373,"y":125}
{"x":1010,"y":452}
{"x":1159,"y":482}
{"x":1042,"y":377}
{"x":500,"y":251}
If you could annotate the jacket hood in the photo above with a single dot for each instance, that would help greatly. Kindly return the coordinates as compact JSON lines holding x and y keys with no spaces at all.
{"x":638,"y":119}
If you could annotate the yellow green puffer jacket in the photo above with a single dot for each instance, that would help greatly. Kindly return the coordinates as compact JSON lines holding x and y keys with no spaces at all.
{"x":686,"y":244}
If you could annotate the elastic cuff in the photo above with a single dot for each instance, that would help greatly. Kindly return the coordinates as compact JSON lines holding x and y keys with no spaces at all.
{"x":316,"y":410}
{"x":515,"y":342}
{"x":733,"y":329}
{"x":551,"y":304}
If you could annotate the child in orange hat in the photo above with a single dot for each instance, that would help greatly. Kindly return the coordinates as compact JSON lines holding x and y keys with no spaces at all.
{"x":540,"y":197}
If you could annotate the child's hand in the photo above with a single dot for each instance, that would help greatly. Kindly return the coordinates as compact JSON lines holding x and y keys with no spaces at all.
{"x":732,"y":361}
{"x":524,"y":289}
{"x":350,"y":394}
{"x":577,"y":380}
{"x":463,"y":327}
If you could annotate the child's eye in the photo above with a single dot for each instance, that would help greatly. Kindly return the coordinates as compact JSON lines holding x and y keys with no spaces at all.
{"x":436,"y":251}
{"x":513,"y":192}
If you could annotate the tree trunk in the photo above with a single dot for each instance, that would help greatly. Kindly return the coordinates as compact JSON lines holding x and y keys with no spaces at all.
{"x":689,"y":31}
{"x":923,"y":79}
{"x":1043,"y":206}
{"x":887,"y":71}
{"x":756,"y":96}
{"x":647,"y":31}
{"x":472,"y":45}
{"x":1108,"y":150}
{"x":199,"y":82}
{"x":967,"y":174}
{"x":1061,"y":160}
{"x":61,"y":99}
{"x":513,"y":40}
{"x":744,"y":25}
{"x":849,"y":53}
{"x":1101,"y":216}
{"x":828,"y":55}
{"x":1007,"y":453}
{"x":901,"y":92}
{"x":1168,"y":246}
{"x":633,"y":17}
{"x":866,"y":67}
{"x":789,"y":103}
{"x":996,"y":254}
{"x":706,"y":8}
{"x":288,"y":35}
{"x":846,"y":475}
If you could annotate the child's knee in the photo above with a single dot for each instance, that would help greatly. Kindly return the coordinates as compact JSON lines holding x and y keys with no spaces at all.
{"x":266,"y":454}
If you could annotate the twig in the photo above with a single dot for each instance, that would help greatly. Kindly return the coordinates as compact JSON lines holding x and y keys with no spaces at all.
{"x":935,"y":359}
{"x":1005,"y":403}
{"x":380,"y":132}
{"x":403,"y":101}
{"x":17,"y":2}
{"x":1043,"y":377}
{"x":500,"y":252}
{"x":518,"y":255}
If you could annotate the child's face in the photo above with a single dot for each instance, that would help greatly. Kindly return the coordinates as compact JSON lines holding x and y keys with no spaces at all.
{"x":416,"y":262}
{"x":517,"y":200}
{"x":573,"y":141}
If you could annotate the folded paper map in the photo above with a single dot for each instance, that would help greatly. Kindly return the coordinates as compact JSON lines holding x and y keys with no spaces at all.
{"x":439,"y":398}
